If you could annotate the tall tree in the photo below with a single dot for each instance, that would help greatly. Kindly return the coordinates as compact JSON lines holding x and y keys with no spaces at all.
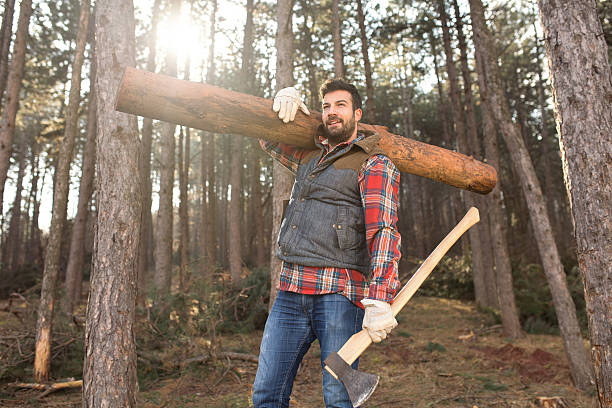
{"x":6,"y":32}
{"x":457,"y":109}
{"x":146,"y":231}
{"x":367,"y":68}
{"x":76,"y":258}
{"x":530,"y":186}
{"x":11,"y":104}
{"x":282,"y":178}
{"x":473,"y":149}
{"x":51,"y":271}
{"x":503,"y":268}
{"x":13,"y":244}
{"x":164,"y":230}
{"x":236,"y":161}
{"x":184,"y":166}
{"x":109,"y":375}
{"x":582,"y":91}
{"x":209,"y":237}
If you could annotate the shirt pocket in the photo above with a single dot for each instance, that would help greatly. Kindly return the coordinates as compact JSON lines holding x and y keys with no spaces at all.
{"x":350,"y":228}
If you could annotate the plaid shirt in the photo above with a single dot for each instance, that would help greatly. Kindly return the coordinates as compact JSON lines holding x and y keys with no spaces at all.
{"x":378,"y":184}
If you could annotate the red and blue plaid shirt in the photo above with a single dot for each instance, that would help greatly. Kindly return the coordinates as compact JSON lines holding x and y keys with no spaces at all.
{"x":378,"y":184}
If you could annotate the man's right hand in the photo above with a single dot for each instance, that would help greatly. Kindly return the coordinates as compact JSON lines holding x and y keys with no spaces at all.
{"x":287,"y":102}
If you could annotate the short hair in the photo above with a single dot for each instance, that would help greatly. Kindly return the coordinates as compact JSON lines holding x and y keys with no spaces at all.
{"x":339,"y":84}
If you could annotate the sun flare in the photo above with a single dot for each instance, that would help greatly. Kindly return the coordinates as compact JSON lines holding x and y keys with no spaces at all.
{"x":184,"y":37}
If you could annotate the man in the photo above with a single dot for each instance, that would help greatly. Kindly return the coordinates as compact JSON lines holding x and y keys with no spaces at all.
{"x":338,"y":242}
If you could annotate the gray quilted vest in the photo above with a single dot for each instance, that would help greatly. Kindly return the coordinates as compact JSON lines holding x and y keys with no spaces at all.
{"x":324,"y":222}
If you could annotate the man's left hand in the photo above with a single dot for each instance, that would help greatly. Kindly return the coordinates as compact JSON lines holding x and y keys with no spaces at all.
{"x":378,"y":319}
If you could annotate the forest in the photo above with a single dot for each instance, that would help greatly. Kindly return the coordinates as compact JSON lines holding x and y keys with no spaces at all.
{"x":138,"y":256}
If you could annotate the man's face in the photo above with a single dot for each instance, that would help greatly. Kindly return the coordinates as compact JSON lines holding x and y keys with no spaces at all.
{"x":340,"y":122}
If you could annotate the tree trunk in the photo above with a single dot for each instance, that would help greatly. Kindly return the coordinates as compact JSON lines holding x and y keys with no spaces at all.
{"x":336,"y":38}
{"x":473,"y":148}
{"x":553,"y":268}
{"x":167,"y":98}
{"x":15,"y":236}
{"x":183,"y":160}
{"x":209,"y":237}
{"x":42,"y":361}
{"x":582,"y":91}
{"x":367,"y":69}
{"x":109,"y":375}
{"x":6,"y":32}
{"x":164,"y":230}
{"x":146,"y":231}
{"x":34,"y":241}
{"x":259,"y":242}
{"x":11,"y":103}
{"x":457,"y":110}
{"x":235,"y":212}
{"x":503,"y":267}
{"x":74,"y":270}
{"x":282,"y":178}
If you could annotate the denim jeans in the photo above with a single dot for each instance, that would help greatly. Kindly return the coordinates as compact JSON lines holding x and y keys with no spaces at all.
{"x":295,"y":321}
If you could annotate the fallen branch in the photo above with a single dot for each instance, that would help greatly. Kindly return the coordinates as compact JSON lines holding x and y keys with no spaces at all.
{"x":48,"y":388}
{"x":228,"y":354}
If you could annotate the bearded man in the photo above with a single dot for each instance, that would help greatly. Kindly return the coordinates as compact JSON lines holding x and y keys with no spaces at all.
{"x":338,"y":242}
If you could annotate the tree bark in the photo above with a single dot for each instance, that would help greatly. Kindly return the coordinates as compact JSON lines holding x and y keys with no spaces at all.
{"x":478,"y":271}
{"x":503,"y":267}
{"x":42,"y":361}
{"x":11,"y":103}
{"x":336,"y":38}
{"x":235,"y":213}
{"x":282,"y":178}
{"x":582,"y":90}
{"x":34,"y":241}
{"x":165,"y":215}
{"x":553,"y":268}
{"x":209,"y":108}
{"x":370,"y":114}
{"x":184,"y":165}
{"x":183,"y":210}
{"x":473,"y":148}
{"x":74,"y":270}
{"x":15,"y":235}
{"x":6,"y":32}
{"x":145,"y":252}
{"x":109,"y":375}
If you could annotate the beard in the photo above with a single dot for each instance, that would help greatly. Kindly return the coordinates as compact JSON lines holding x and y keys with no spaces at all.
{"x":340,"y":134}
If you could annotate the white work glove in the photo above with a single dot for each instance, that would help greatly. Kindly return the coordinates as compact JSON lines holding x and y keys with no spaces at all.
{"x":287,"y":102}
{"x":378,"y":319}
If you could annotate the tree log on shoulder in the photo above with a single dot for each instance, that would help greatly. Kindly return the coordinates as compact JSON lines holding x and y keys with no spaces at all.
{"x":220,"y":110}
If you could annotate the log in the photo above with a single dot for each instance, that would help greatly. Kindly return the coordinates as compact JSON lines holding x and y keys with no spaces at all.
{"x":219,"y":110}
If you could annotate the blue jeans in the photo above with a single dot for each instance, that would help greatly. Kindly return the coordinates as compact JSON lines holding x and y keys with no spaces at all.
{"x":295,"y":321}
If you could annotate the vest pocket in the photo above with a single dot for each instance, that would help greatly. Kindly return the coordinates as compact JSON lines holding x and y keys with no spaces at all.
{"x":349,"y":229}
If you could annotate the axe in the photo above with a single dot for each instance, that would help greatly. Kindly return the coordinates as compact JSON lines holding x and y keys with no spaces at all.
{"x":359,"y":385}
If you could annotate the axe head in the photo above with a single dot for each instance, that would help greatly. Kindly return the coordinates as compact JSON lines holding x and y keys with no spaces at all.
{"x":358,"y":385}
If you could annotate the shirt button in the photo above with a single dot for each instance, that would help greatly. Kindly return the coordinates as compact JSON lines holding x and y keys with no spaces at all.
{"x":293,"y":227}
{"x":333,"y":225}
{"x":284,"y":253}
{"x":302,"y":199}
{"x":312,"y":176}
{"x":339,"y":226}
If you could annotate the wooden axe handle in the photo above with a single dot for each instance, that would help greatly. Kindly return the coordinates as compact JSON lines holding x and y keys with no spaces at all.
{"x":360,"y":341}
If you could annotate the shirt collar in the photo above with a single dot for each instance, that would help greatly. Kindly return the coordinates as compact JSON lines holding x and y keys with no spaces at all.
{"x":323,"y":141}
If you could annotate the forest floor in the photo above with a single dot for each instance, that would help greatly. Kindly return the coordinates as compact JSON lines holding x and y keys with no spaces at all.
{"x":444,"y":353}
